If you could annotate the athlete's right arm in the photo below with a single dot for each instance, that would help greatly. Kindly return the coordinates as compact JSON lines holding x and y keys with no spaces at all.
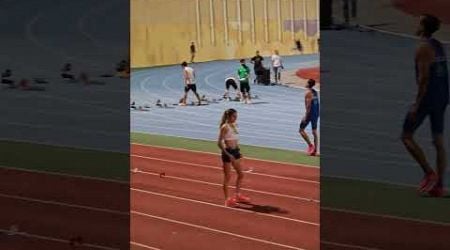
{"x":185,"y":76}
{"x":424,"y":59}
{"x":222,"y":132}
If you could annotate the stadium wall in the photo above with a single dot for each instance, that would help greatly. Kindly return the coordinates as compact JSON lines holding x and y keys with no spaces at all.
{"x":162,"y":30}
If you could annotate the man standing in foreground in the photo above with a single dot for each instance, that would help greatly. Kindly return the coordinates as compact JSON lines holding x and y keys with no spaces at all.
{"x":431,"y":100}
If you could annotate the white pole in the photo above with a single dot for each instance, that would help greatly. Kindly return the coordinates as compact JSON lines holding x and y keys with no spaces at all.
{"x":266,"y":21}
{"x":199,"y":38}
{"x":225,"y":18}
{"x":305,"y":26}
{"x":252,"y":13}
{"x":292,"y":20}
{"x":280,"y":34}
{"x":238,"y":4}
{"x":318,"y":19}
{"x":211,"y":22}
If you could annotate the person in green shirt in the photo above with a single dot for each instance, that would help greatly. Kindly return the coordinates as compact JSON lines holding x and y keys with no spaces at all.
{"x":244,"y":74}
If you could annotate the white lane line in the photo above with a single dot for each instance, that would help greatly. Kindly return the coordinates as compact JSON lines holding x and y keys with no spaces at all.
{"x":222,"y":206}
{"x":216,"y":184}
{"x":64,"y":204}
{"x":403,"y":35}
{"x":347,"y":246}
{"x":385,"y":216}
{"x":143,"y":246}
{"x":48,"y":238}
{"x":210,"y":153}
{"x":218,"y":168}
{"x":65,"y":175}
{"x":215,"y":230}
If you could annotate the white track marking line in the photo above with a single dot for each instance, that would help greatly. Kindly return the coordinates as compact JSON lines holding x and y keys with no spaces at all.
{"x":64,"y":204}
{"x":216,"y":184}
{"x":222,"y":206}
{"x":143,"y":246}
{"x":201,"y":152}
{"x":41,"y":237}
{"x":393,"y":217}
{"x":64,"y":175}
{"x":392,"y":33}
{"x":217,"y":168}
{"x":62,"y":145}
{"x":351,"y":246}
{"x":215,"y":230}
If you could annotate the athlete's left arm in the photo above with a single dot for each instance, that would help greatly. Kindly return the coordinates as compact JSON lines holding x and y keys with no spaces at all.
{"x":308,"y":100}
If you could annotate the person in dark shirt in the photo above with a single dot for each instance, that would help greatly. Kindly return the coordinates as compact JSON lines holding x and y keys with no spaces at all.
{"x":258,"y":67}
{"x":431,"y":101}
{"x":298,"y":45}
{"x":193,"y":51}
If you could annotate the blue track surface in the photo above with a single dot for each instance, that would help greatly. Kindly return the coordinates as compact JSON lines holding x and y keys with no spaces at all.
{"x":272,"y":121}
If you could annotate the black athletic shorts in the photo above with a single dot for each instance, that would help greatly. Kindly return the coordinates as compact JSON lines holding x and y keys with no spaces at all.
{"x":235,"y":152}
{"x":230,"y":82}
{"x":245,"y":87}
{"x":313,"y":119}
{"x":436,"y":119}
{"x":192,"y":87}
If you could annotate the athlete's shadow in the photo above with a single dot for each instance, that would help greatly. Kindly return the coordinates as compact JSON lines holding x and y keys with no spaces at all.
{"x":265,"y":209}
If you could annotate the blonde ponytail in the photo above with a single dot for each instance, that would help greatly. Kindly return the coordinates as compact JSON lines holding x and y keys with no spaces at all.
{"x":226,"y":116}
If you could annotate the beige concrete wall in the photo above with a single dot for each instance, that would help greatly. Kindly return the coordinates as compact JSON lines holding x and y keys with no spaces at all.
{"x":161,"y":30}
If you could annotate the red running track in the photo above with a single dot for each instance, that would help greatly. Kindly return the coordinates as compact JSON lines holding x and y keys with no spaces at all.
{"x":309,"y":73}
{"x":50,"y":209}
{"x":380,"y":232}
{"x":438,"y":8}
{"x":187,"y":203}
{"x":265,"y":167}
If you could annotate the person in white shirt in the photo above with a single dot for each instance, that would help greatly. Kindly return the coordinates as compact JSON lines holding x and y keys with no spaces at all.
{"x":189,"y":84}
{"x":277,"y":65}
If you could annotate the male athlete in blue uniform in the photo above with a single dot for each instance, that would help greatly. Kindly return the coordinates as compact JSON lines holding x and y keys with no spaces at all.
{"x":432,"y":100}
{"x":312,"y":115}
